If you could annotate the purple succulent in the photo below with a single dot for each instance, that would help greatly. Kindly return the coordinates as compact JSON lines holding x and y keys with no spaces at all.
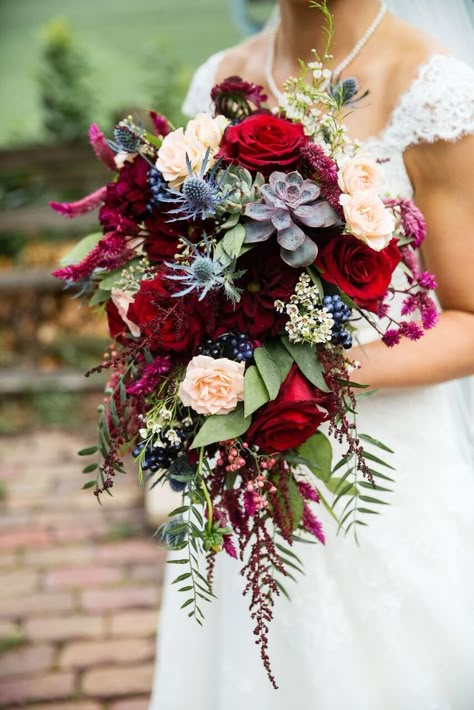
{"x":289,"y":200}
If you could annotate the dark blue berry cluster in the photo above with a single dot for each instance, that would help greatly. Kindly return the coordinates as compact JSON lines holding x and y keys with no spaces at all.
{"x":341,"y":314}
{"x":234,"y":346}
{"x":158,"y":187}
{"x":162,"y":457}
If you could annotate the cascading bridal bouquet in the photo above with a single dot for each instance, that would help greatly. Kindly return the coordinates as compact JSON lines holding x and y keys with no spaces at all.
{"x":237,"y":255}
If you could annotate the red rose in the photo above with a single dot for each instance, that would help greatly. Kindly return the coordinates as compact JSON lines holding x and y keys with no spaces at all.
{"x":264,"y":143}
{"x":172,"y":324}
{"x":266,"y":279}
{"x":361,"y":272}
{"x":291,"y":418}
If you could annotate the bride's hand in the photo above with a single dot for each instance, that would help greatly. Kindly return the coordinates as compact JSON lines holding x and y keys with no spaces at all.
{"x":442,"y":175}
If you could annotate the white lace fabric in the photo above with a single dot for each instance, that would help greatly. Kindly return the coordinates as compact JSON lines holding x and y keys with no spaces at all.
{"x":388,"y":625}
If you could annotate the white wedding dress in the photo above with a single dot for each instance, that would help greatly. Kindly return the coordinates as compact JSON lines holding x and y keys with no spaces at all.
{"x":389,"y":624}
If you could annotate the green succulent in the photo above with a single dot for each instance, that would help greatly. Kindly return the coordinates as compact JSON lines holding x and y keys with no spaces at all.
{"x":240,"y":190}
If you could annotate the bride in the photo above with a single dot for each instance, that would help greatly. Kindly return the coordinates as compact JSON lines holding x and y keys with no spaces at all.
{"x":388,"y":625}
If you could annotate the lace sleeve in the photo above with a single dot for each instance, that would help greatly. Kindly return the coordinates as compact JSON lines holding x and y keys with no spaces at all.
{"x":198,"y":96}
{"x":439,"y":105}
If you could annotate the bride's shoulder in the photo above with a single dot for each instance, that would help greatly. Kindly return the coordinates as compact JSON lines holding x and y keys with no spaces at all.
{"x":245,"y":58}
{"x":434,"y":90}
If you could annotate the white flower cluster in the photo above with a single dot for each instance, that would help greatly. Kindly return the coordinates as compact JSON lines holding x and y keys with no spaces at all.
{"x":311,"y":104}
{"x":309,"y":321}
{"x":156,"y":426}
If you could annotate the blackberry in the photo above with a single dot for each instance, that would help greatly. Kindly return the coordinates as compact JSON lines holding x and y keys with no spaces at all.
{"x":341,"y":313}
{"x":234,"y":346}
{"x":161,"y":457}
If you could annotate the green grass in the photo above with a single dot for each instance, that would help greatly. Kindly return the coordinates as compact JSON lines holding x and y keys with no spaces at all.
{"x":121,"y":41}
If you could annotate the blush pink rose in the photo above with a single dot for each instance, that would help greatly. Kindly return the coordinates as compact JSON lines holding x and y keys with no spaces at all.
{"x":360,"y":174}
{"x":212,"y":386}
{"x":368,"y":219}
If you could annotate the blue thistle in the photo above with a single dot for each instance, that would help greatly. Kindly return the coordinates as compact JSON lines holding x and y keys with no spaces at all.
{"x":204,"y":274}
{"x":200,"y":194}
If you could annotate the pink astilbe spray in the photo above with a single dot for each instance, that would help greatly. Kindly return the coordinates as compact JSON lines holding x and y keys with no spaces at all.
{"x":110,"y":253}
{"x":100,"y":147}
{"x":312,"y":524}
{"x":86,"y":204}
{"x":160,"y":124}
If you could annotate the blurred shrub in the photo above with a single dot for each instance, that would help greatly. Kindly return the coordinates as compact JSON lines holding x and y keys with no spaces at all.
{"x":168,"y":80}
{"x":65,"y":94}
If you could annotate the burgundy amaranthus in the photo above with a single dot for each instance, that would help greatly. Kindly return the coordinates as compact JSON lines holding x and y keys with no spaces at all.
{"x":324,"y":170}
{"x":111,"y":252}
{"x":82,"y":206}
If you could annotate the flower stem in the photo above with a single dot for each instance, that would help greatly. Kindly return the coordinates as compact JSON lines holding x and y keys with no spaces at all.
{"x":204,"y":489}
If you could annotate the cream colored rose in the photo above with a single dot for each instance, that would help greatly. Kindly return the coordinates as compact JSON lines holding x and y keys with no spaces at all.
{"x":207,"y":130}
{"x":212,"y":386}
{"x":171,"y":160}
{"x":122,"y":300}
{"x":368,"y":219}
{"x":360,"y":174}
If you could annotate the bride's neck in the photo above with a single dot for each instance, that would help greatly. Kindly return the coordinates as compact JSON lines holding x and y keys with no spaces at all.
{"x":302,"y":27}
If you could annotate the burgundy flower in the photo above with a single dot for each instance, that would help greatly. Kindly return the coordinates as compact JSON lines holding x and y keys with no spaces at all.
{"x":126,"y":199}
{"x":267,"y":278}
{"x":233,"y":97}
{"x":312,"y":524}
{"x":150,"y":377}
{"x":170,"y":324}
{"x":413,"y":221}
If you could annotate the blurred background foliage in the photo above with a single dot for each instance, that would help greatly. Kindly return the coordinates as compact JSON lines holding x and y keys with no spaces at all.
{"x":65,"y":64}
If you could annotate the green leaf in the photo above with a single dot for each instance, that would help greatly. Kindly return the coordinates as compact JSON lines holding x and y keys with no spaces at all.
{"x":91,"y":467}
{"x":89,"y":484}
{"x":268,"y":370}
{"x":375,"y":442}
{"x":109,"y":281}
{"x":255,"y":392}
{"x":371,"y":499}
{"x":88,"y":452}
{"x":333,"y":485}
{"x":177,"y":562}
{"x":230,"y":245}
{"x":317,"y":450}
{"x":220,"y":427}
{"x":81,"y":249}
{"x":99,"y":296}
{"x":293,"y":511}
{"x":187,"y":603}
{"x":316,"y":279}
{"x":113,"y":413}
{"x":306,"y":358}
{"x":280,"y":355}
{"x":371,"y":457}
{"x":181,"y":578}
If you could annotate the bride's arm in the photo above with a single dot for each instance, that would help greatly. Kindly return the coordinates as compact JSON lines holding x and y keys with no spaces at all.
{"x":443,"y":178}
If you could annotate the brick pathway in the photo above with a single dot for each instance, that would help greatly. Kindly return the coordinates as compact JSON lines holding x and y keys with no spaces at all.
{"x":80,"y":583}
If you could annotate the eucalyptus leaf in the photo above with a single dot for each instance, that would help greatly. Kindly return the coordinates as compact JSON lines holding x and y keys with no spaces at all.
{"x":99,"y":296}
{"x":87,"y":452}
{"x":268,"y":370}
{"x":220,"y":427}
{"x":89,"y":484}
{"x":317,"y":450}
{"x":280,"y":356}
{"x":255,"y":392}
{"x":306,"y":358}
{"x":81,"y":249}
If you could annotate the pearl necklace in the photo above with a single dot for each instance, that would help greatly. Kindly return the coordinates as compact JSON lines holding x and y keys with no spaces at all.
{"x":340,"y":67}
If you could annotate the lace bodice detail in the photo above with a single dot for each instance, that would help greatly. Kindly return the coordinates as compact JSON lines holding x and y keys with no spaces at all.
{"x":438,"y":105}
